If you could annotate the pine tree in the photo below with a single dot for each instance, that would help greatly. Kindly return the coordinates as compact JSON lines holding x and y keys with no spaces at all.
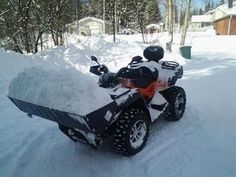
{"x":140,"y":13}
{"x":208,"y":6}
{"x":222,"y":2}
{"x":153,"y":12}
{"x":200,"y":11}
{"x":96,"y":8}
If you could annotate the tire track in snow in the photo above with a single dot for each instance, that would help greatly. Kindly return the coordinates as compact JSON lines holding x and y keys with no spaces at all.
{"x":164,"y":136}
{"x":28,"y":155}
{"x":52,"y":145}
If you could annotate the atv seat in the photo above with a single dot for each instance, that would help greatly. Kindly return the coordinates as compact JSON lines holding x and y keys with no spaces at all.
{"x":141,"y":77}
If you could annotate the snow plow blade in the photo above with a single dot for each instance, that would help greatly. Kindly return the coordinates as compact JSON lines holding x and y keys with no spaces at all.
{"x":88,"y":128}
{"x":87,"y":123}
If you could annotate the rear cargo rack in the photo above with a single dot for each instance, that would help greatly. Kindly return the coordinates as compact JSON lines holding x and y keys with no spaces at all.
{"x":171,"y":65}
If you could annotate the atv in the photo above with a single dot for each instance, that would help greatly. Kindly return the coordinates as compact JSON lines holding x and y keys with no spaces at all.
{"x":141,"y":93}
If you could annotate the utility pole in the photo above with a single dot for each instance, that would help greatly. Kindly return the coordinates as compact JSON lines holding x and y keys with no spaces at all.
{"x":76,"y":18}
{"x":180,"y":12}
{"x":104,"y":16}
{"x":116,"y":17}
{"x":114,"y":21}
{"x":170,"y":7}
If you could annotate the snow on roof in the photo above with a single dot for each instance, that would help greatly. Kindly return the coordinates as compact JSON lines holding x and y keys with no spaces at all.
{"x":85,"y":19}
{"x":91,"y":18}
{"x":201,"y":18}
{"x":232,"y":11}
{"x":210,"y":12}
{"x":153,"y":26}
{"x":223,"y":11}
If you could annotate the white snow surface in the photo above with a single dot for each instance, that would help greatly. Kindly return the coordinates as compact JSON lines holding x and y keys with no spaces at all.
{"x":67,"y":90}
{"x":202,"y":143}
{"x":201,"y":18}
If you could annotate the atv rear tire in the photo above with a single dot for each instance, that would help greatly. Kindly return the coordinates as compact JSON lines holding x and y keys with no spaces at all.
{"x":131,"y":131}
{"x":177,"y":101}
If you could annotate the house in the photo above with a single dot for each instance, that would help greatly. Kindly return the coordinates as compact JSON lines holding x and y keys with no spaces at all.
{"x":201,"y":22}
{"x":224,"y":18}
{"x":89,"y":26}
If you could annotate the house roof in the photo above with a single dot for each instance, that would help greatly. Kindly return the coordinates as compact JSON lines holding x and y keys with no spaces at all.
{"x":210,"y":12}
{"x":74,"y":23}
{"x":91,"y":18}
{"x":201,"y":18}
{"x":223,"y":11}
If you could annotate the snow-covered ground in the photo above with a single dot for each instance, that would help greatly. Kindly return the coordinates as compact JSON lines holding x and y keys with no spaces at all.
{"x":203,"y":143}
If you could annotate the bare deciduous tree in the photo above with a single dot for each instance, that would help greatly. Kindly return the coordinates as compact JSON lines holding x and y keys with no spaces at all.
{"x":170,"y":22}
{"x":186,"y":23}
{"x":24,"y":22}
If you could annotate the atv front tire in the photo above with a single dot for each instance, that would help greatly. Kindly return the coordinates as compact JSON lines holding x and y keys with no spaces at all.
{"x":131,"y":131}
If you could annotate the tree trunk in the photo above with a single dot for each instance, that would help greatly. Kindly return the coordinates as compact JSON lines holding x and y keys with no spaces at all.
{"x":39,"y":38}
{"x":114,"y":21}
{"x":41,"y":42}
{"x":140,"y":22}
{"x":179,"y":17}
{"x":186,"y":23}
{"x":170,"y":7}
{"x":25,"y":26}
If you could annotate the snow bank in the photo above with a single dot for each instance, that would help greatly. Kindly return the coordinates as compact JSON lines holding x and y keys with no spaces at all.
{"x":208,"y":46}
{"x":66,"y":90}
{"x":203,"y":141}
